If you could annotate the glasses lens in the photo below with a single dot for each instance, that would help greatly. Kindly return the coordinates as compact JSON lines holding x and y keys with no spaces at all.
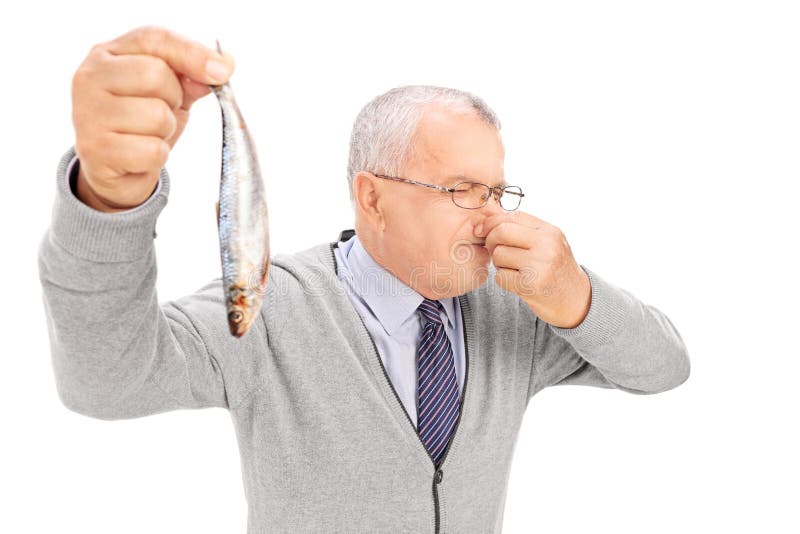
{"x":512,"y":195}
{"x":470,"y":195}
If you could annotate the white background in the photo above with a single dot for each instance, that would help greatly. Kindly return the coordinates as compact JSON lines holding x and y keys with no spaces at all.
{"x":661,"y":137}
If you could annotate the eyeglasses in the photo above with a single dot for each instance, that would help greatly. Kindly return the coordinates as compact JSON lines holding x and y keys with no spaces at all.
{"x":473,"y":195}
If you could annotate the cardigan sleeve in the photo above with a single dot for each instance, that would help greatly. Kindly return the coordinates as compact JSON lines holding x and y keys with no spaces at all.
{"x":622,"y":343}
{"x":116,"y":352}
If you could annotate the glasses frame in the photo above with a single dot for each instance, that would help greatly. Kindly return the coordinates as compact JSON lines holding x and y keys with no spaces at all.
{"x":500,"y":189}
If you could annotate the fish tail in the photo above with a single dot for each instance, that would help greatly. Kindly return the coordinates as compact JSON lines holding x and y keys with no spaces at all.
{"x":216,"y":88}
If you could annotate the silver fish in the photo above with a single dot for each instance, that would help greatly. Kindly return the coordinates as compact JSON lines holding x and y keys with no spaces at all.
{"x":241,"y":218}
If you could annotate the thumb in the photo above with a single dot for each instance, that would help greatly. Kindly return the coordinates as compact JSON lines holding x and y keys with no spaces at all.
{"x":192,"y":91}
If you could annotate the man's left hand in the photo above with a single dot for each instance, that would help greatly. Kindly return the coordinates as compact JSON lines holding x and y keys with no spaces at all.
{"x":534,"y":260}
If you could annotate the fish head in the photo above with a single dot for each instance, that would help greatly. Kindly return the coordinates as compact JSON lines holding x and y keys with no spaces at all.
{"x":243,"y":306}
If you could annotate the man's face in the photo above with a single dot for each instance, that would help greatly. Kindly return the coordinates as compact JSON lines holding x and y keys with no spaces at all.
{"x":426,"y":240}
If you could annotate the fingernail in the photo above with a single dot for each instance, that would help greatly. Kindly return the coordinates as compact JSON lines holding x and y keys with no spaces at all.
{"x":479,"y":229}
{"x":217,"y":70}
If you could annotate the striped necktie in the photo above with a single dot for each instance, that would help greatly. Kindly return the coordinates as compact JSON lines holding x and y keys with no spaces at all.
{"x":437,"y":387}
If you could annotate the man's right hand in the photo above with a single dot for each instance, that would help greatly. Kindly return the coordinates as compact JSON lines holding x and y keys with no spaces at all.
{"x":130,"y":103}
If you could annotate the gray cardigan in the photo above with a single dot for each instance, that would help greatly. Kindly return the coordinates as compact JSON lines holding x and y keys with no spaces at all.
{"x":325,"y":444}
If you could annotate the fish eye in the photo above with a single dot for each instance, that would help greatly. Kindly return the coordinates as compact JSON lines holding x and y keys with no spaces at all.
{"x":235,"y":316}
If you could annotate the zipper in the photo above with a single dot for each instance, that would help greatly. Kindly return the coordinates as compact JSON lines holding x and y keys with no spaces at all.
{"x":436,"y":520}
{"x":436,"y":477}
{"x":435,"y":506}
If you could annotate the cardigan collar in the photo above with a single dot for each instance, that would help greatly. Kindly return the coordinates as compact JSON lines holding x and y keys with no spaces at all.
{"x":392,"y":301}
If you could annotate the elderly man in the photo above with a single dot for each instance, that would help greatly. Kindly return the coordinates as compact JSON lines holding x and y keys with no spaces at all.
{"x":383,"y":387}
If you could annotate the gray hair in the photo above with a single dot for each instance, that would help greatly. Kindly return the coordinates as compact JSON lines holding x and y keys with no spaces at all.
{"x":382,"y":140}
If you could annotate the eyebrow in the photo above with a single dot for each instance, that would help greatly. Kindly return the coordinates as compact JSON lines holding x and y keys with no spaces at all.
{"x":461,"y":178}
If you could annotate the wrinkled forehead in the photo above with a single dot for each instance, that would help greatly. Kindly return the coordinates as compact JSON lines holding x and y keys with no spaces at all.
{"x":457,"y":147}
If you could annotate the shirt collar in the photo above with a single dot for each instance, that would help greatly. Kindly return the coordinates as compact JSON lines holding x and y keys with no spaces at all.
{"x":392,"y":301}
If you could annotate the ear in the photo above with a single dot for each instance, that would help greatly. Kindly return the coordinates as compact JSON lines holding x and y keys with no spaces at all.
{"x":367,"y":197}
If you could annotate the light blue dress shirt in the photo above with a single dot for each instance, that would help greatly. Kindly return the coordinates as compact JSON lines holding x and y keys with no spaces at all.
{"x":389,"y":310}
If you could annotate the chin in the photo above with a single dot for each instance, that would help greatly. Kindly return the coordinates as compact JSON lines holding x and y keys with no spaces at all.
{"x":472,"y":276}
{"x":481,"y":276}
{"x":464,"y":269}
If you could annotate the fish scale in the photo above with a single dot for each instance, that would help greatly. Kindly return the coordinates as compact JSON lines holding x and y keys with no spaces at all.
{"x":242,"y":218}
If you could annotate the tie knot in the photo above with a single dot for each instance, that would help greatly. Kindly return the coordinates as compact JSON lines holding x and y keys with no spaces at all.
{"x":430,"y":311}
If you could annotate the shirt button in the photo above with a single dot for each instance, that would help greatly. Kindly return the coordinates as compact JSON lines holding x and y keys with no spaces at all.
{"x":439,"y":476}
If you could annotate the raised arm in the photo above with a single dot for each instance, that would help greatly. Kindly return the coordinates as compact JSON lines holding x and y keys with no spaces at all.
{"x":622,"y":343}
{"x":587,"y":331}
{"x":116,"y":352}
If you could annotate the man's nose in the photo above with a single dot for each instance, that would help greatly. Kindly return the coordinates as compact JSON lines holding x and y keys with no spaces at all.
{"x":492,"y":206}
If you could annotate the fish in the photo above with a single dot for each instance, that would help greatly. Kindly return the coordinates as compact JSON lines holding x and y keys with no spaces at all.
{"x":242,"y":218}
